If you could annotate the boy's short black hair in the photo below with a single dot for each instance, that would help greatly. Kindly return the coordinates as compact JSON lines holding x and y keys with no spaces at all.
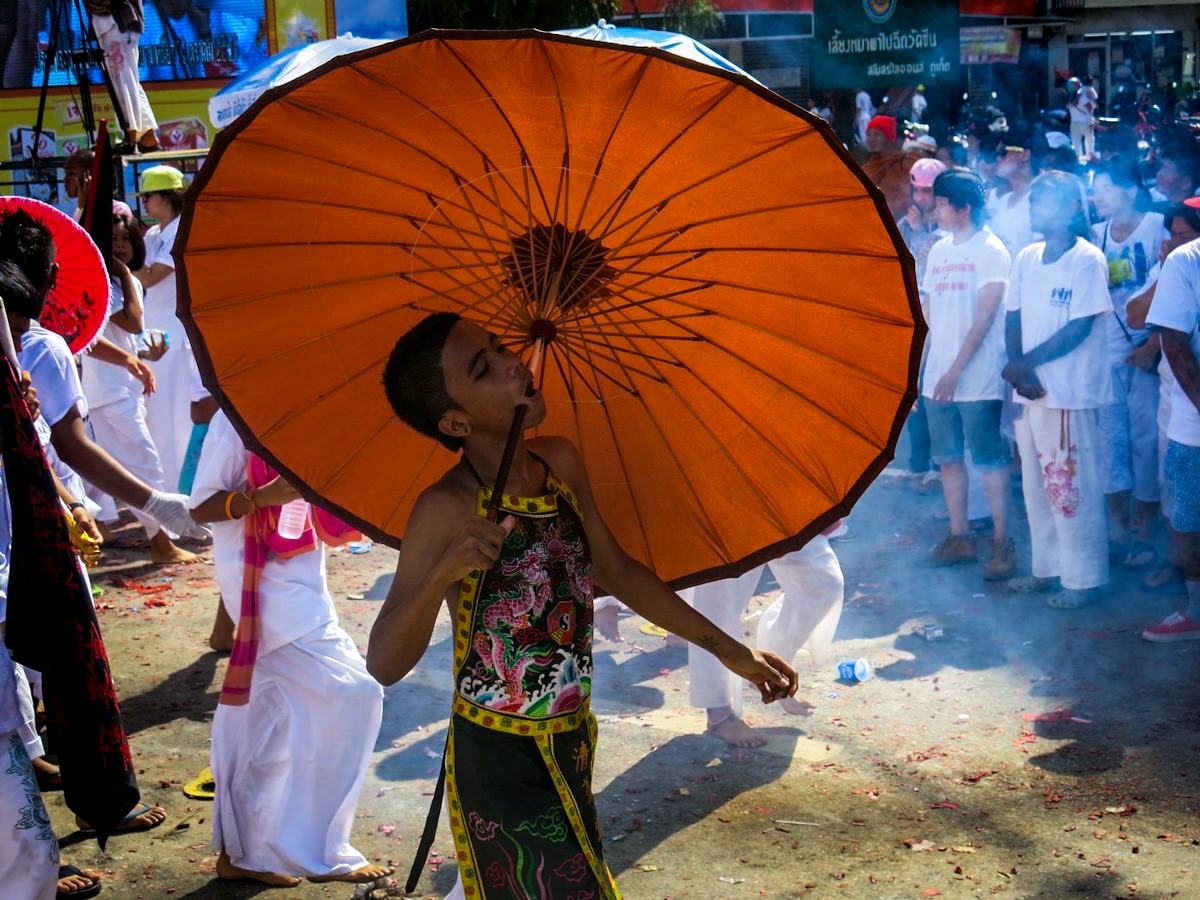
{"x":1189,"y":214}
{"x":29,"y":244}
{"x":413,"y":379}
{"x":20,"y":297}
{"x":962,"y":188}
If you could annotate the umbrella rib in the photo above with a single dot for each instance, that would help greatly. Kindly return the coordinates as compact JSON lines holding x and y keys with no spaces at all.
{"x":784,"y":207}
{"x":767,"y":506}
{"x":497,"y":306}
{"x":588,"y":344}
{"x":756,"y":155}
{"x":602,"y":339}
{"x":569,"y":354}
{"x":595,"y":177}
{"x":503,"y":115}
{"x":399,"y":503}
{"x":394,"y":182}
{"x":568,"y":377}
{"x":433,"y":158}
{"x":754,"y":289}
{"x":726,"y":92}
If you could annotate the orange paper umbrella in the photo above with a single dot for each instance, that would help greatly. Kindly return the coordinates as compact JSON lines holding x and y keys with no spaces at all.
{"x":732,"y":314}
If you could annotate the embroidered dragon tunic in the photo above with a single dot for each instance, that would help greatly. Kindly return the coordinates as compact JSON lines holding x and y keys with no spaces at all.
{"x":522,"y":735}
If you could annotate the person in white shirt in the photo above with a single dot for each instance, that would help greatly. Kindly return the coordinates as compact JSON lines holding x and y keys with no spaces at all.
{"x":864,"y":111}
{"x":116,"y":398}
{"x":1009,"y":213}
{"x":1183,"y":226}
{"x":288,"y":761}
{"x":168,"y":409}
{"x":47,"y":358}
{"x":919,"y":104}
{"x":1129,"y":238}
{"x":1175,"y":312}
{"x":1055,"y":334}
{"x":1082,"y":110}
{"x":962,"y":291}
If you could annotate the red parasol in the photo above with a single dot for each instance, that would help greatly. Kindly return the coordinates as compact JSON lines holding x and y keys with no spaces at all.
{"x":77,"y":307}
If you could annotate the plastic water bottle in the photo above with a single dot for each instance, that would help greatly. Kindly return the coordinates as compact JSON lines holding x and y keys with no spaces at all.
{"x":293,"y":518}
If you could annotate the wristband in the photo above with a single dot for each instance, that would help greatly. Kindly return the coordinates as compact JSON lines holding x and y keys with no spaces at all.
{"x":76,"y":505}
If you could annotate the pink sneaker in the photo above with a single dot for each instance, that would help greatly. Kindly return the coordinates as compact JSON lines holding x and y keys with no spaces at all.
{"x":1175,"y":627}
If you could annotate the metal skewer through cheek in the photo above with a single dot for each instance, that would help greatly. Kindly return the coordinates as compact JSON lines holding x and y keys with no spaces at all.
{"x":514,"y":436}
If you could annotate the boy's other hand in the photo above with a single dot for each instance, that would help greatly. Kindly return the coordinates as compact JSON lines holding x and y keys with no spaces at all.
{"x":767,"y":671}
{"x":476,"y":546}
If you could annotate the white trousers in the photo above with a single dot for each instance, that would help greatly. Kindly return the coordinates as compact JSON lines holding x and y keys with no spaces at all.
{"x":27,"y":730}
{"x":121,"y":60}
{"x":28,"y":849}
{"x":804,"y":617}
{"x":1083,"y":139}
{"x":289,"y":764}
{"x":121,"y":429}
{"x":1129,"y":428}
{"x":1064,"y":495}
{"x":169,"y":408}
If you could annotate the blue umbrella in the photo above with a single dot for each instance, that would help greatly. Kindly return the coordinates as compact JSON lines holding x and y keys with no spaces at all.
{"x":679,"y":44}
{"x":237,"y":96}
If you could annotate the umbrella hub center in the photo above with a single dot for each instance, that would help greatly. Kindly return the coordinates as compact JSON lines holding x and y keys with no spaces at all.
{"x":556,"y":270}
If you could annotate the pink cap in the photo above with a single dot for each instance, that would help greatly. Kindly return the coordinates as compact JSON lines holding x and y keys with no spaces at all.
{"x":122,"y":209}
{"x":924,"y":172}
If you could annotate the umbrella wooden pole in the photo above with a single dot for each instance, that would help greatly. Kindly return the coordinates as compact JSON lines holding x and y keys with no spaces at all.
{"x":514,"y":437}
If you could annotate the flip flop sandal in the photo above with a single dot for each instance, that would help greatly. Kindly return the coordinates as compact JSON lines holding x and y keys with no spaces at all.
{"x":202,"y":787}
{"x":67,"y":872}
{"x":126,"y":826}
{"x":653,"y":630}
{"x":1071,"y":600}
{"x":1171,"y":585}
{"x":1141,"y":548}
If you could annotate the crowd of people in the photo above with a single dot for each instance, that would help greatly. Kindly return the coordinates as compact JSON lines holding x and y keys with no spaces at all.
{"x":1062,"y":296}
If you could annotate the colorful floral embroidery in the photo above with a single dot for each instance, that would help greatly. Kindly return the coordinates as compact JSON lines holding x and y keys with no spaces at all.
{"x":530,"y":648}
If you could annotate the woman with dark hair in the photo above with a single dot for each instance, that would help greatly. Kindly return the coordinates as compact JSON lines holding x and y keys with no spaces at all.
{"x":168,"y":410}
{"x":1057,"y":291}
{"x":116,"y":399}
{"x":1129,"y":238}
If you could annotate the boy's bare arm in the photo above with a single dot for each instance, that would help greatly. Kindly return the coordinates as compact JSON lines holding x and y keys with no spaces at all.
{"x":645,"y":593}
{"x":443,"y":542}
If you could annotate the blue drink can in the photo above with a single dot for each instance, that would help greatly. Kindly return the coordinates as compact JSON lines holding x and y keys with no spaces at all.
{"x":854,"y":670}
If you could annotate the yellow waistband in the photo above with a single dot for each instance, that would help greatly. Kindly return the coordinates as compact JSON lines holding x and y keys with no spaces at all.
{"x":523,"y":726}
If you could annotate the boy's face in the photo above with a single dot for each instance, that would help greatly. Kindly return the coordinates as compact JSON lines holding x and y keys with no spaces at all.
{"x":487,"y":382}
{"x":950,"y":217}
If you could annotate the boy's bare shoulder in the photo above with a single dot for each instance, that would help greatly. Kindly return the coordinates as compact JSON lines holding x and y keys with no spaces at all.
{"x":452,"y":494}
{"x":560,"y":452}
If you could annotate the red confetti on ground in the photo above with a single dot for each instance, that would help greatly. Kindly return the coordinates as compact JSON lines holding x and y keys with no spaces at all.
{"x":944,"y":804}
{"x":1025,"y":737}
{"x":156,"y":602}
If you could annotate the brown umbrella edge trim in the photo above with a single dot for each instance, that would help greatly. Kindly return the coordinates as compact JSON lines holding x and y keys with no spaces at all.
{"x":728,"y":570}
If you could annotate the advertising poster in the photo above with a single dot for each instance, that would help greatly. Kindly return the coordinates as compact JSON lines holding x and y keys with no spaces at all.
{"x":182,"y":39}
{"x":991,"y":44}
{"x":880,"y":43}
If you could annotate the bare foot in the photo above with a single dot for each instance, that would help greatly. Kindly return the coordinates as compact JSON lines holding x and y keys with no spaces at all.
{"x":227,"y":871}
{"x":49,"y":778}
{"x":607,"y":623}
{"x":365,"y":875}
{"x":736,"y":733}
{"x":221,"y":638}
{"x":163,"y":550}
{"x":74,"y":884}
{"x":797,"y":706}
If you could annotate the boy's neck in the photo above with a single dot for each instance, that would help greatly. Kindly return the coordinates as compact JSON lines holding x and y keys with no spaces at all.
{"x":485,"y":453}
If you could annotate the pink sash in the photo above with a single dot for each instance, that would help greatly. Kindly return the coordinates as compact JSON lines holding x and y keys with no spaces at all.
{"x":262,"y":538}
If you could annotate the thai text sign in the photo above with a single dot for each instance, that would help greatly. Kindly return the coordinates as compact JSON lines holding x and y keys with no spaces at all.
{"x":877,"y":43}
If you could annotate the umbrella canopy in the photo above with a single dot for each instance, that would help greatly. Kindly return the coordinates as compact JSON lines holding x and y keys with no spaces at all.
{"x":677,"y":44}
{"x":239,"y":95}
{"x":77,"y":307}
{"x":734,"y":313}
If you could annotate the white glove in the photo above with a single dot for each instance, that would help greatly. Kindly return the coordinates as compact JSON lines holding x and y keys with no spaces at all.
{"x":172,"y":513}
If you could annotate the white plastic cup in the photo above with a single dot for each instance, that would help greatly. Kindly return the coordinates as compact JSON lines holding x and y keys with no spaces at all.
{"x":854,"y":670}
{"x":293,"y":519}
